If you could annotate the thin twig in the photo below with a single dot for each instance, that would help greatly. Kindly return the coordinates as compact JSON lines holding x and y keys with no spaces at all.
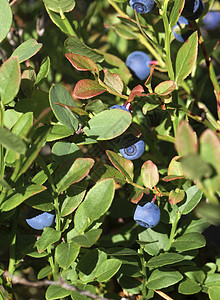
{"x":13,"y":2}
{"x":17,"y":280}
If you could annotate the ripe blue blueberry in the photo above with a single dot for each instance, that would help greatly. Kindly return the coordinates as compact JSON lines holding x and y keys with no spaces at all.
{"x":138,"y":63}
{"x":39,"y":220}
{"x":193,"y":9}
{"x":148,"y":215}
{"x":142,"y":6}
{"x":212,"y":20}
{"x":182,"y":29}
{"x":119,"y":107}
{"x":131,"y":147}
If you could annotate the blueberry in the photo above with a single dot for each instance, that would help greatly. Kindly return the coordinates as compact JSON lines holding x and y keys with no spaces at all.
{"x":212,"y":20}
{"x":38,"y":219}
{"x":131,"y":147}
{"x":148,"y":215}
{"x":142,"y":6}
{"x":193,"y":9}
{"x":138,"y":62}
{"x":182,"y":30}
{"x":119,"y":107}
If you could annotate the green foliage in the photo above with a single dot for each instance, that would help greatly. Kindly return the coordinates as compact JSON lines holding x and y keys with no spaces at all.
{"x":62,"y":66}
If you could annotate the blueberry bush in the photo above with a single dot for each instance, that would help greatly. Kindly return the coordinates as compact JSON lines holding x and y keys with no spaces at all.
{"x":109,"y":149}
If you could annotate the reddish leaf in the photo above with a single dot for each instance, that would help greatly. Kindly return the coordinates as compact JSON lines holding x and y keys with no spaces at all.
{"x":149,"y":174}
{"x":176,"y":196}
{"x":125,"y":166}
{"x":137,"y":91}
{"x":113,"y":81}
{"x":175,"y":167}
{"x":137,"y":196}
{"x":82,"y":63}
{"x":186,"y":139}
{"x":87,"y":88}
{"x":165,"y":87}
{"x":171,"y":178}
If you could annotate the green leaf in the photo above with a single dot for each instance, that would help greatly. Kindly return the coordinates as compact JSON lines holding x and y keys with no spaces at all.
{"x":107,"y":269}
{"x":214,"y":292}
{"x":125,"y":166}
{"x":176,"y":11}
{"x":20,"y":195}
{"x":210,"y":148}
{"x":95,"y":205}
{"x":4,"y":184}
{"x":76,"y":46}
{"x":186,"y":139}
{"x":74,"y":197}
{"x":62,"y":151}
{"x":44,"y":70}
{"x":154,"y":241}
{"x":35,"y":147}
{"x":210,"y":212}
{"x":149,"y":174}
{"x":82,"y":63}
{"x":27,"y":49}
{"x":5,"y":19}
{"x":160,"y":279}
{"x":21,"y":128}
{"x":87,"y":239}
{"x":58,"y":94}
{"x":59,"y":132}
{"x":113,"y":81}
{"x":60,"y":6}
{"x":175,"y":167}
{"x":189,"y":287}
{"x":48,"y":237}
{"x":125,"y":31}
{"x":165,"y":87}
{"x":194,"y":167}
{"x":164,"y":259}
{"x":189,"y":241}
{"x":186,"y":57}
{"x":78,"y":170}
{"x":88,"y":264}
{"x":66,"y":253}
{"x":87,"y":88}
{"x":10,"y":79}
{"x":44,"y":201}
{"x":193,"y":197}
{"x":44,"y":272}
{"x":56,"y":292}
{"x":11,"y":141}
{"x":212,"y":280}
{"x":108,"y":124}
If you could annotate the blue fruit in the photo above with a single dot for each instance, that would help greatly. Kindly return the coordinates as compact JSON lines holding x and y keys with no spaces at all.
{"x":131,"y":147}
{"x":119,"y":107}
{"x":212,"y":20}
{"x":182,"y":30}
{"x":142,"y":6}
{"x":148,"y":215}
{"x":193,"y":9}
{"x":39,"y":220}
{"x":138,"y":63}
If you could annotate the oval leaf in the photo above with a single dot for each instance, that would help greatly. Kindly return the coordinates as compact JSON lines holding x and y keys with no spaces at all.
{"x":165,"y":87}
{"x":186,"y":57}
{"x":82,"y":63}
{"x":5,"y":18}
{"x":107,"y":269}
{"x":87,"y":239}
{"x":27,"y":49}
{"x":60,"y":6}
{"x":87,"y":88}
{"x":108,"y":124}
{"x":66,"y":253}
{"x":186,"y":139}
{"x":10,"y":79}
{"x":11,"y":141}
{"x":149,"y":174}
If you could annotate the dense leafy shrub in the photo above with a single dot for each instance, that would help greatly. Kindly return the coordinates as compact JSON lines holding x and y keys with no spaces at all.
{"x":63,"y":135}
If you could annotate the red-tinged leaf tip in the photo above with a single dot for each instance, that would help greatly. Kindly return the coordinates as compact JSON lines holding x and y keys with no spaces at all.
{"x":82,"y":63}
{"x":137,"y":91}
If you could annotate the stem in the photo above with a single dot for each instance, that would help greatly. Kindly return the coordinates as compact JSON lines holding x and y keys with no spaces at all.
{"x":143,"y":271}
{"x":2,"y":168}
{"x":167,"y":40}
{"x":117,"y":8}
{"x":12,"y":260}
{"x":68,"y":26}
{"x":173,"y":230}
